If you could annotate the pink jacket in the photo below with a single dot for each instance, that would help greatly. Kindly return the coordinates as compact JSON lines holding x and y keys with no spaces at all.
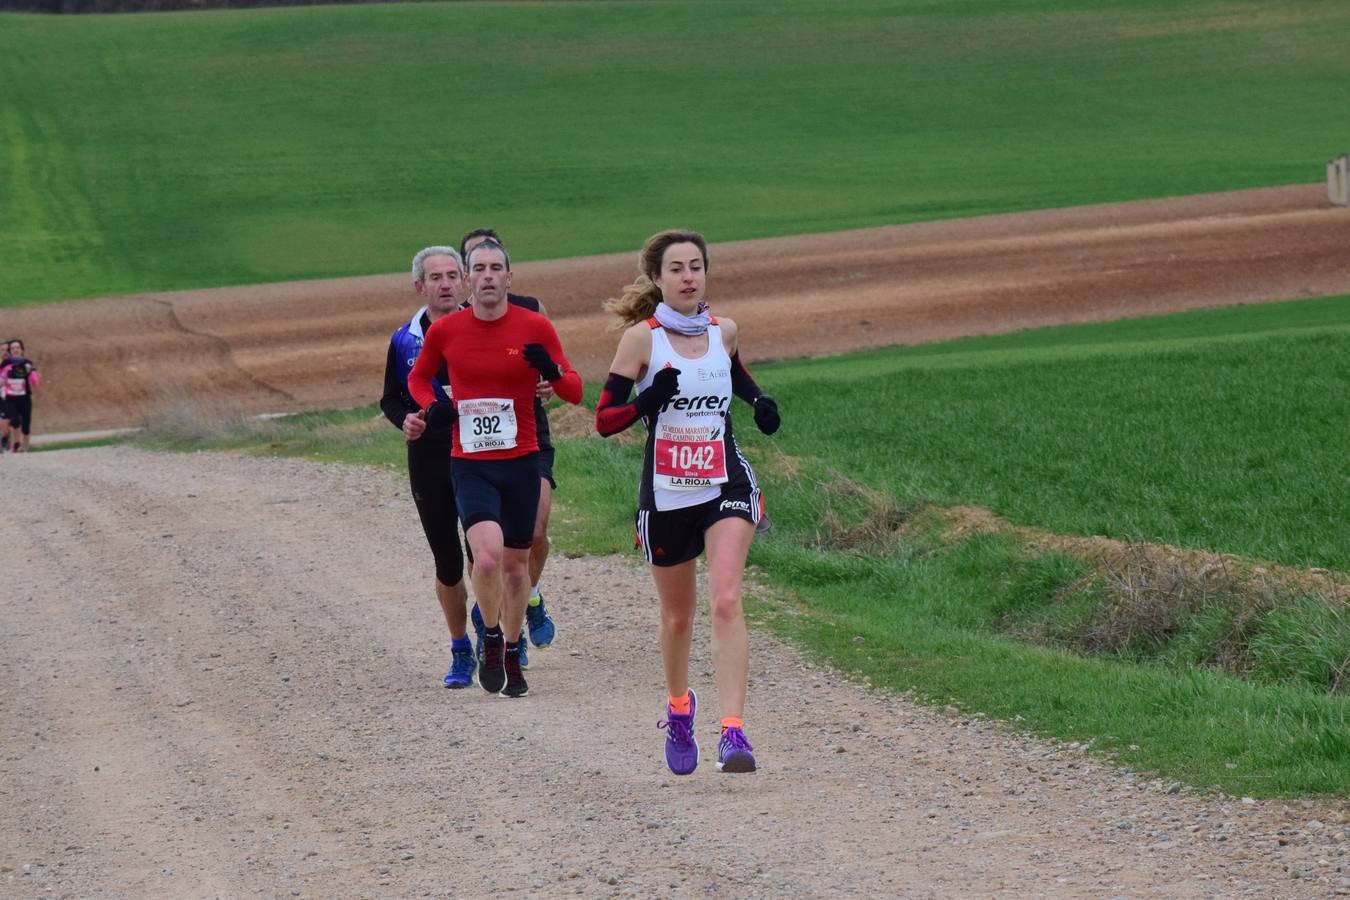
{"x":20,"y":386}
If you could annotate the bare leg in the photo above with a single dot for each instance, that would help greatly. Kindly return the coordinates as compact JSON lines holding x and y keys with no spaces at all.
{"x":539,"y":549}
{"x":727,"y":544}
{"x":487,"y":573}
{"x":515,"y":591}
{"x":676,"y":586}
{"x":453,"y":599}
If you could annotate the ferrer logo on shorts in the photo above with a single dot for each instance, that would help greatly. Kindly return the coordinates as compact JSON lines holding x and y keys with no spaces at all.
{"x":736,"y":506}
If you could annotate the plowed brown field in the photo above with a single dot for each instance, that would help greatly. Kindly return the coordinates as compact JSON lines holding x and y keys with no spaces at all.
{"x":320,"y":344}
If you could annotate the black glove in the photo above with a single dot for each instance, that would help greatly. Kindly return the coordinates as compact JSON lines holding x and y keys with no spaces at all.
{"x":537,"y":356}
{"x":766,"y":414}
{"x":665,"y":384}
{"x":440,"y":414}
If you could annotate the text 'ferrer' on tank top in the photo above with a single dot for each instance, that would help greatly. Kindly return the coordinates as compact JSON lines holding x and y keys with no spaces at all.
{"x":688,"y":446}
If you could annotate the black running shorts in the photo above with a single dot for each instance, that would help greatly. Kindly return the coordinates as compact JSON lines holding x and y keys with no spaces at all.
{"x":505,"y":491}
{"x":675,"y":536}
{"x":20,"y":411}
{"x":546,"y":466}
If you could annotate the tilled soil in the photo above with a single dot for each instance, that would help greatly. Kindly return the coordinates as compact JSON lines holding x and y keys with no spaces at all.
{"x":223,"y":680}
{"x":118,"y":362}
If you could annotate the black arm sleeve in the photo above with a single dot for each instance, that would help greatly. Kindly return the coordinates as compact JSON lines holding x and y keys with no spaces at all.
{"x":396,"y":402}
{"x":614,"y":412}
{"x":742,"y":385}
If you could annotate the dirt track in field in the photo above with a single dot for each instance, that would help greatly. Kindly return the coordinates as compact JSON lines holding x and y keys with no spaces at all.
{"x":320,"y":344}
{"x":222,"y":674}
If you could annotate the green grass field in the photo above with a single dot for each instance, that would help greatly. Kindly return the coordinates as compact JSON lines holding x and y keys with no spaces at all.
{"x":162,"y":151}
{"x":1219,"y":429}
{"x":1226,"y":433}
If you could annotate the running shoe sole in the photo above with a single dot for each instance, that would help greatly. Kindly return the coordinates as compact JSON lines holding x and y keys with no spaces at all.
{"x":492,"y":680}
{"x":737,"y":762}
{"x":734,"y":753}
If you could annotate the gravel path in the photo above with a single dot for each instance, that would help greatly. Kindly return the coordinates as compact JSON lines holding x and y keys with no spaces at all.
{"x":222,"y":679}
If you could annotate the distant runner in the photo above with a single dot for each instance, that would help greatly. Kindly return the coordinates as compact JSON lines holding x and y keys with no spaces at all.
{"x":18,"y":377}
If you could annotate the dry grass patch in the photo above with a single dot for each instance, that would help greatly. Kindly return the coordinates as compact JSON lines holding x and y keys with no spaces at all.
{"x":858,"y":519}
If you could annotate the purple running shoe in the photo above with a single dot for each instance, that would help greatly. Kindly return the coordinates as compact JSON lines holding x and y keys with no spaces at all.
{"x":681,"y":748}
{"x":734,"y":752}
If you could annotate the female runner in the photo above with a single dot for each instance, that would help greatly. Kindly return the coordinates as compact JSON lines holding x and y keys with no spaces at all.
{"x":698,"y":494}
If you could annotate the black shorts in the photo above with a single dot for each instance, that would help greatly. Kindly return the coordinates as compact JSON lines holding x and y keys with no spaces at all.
{"x":674,"y":536}
{"x":505,"y":491}
{"x":546,"y":466}
{"x":544,"y":436}
{"x":434,"y":494}
{"x":20,"y":412}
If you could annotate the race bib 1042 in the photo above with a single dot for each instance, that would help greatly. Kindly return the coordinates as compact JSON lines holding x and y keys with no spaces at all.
{"x":689,"y":457}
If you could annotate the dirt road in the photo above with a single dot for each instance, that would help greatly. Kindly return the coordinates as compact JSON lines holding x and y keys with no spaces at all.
{"x":222,"y":679}
{"x":321,"y":344}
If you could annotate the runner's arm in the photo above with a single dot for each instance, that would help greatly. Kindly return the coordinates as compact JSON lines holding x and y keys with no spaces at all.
{"x":613,"y":415}
{"x":396,"y":403}
{"x":743,"y":386}
{"x":421,"y":379}
{"x":568,"y":383}
{"x":614,"y":412}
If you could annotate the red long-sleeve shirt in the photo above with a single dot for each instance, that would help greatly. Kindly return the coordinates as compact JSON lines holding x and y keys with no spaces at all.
{"x":485,"y":360}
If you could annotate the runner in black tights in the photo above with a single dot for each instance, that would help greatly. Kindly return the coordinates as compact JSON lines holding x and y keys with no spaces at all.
{"x":438,"y":279}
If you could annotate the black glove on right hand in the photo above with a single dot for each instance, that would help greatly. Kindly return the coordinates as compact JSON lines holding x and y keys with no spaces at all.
{"x":537,"y":356}
{"x":766,"y":414}
{"x":440,"y":414}
{"x":665,"y":384}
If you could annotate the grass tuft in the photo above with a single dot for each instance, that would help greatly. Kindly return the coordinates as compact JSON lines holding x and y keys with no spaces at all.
{"x":1305,"y":641}
{"x":857,"y":519}
{"x":1151,"y":592}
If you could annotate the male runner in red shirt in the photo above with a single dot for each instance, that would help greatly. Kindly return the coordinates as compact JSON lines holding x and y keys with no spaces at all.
{"x":494,"y":353}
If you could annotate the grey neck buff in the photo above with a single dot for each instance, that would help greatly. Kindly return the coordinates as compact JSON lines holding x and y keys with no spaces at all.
{"x":680,"y":323}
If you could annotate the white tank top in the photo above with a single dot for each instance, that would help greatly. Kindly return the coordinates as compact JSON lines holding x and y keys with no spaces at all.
{"x":687,"y":456}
